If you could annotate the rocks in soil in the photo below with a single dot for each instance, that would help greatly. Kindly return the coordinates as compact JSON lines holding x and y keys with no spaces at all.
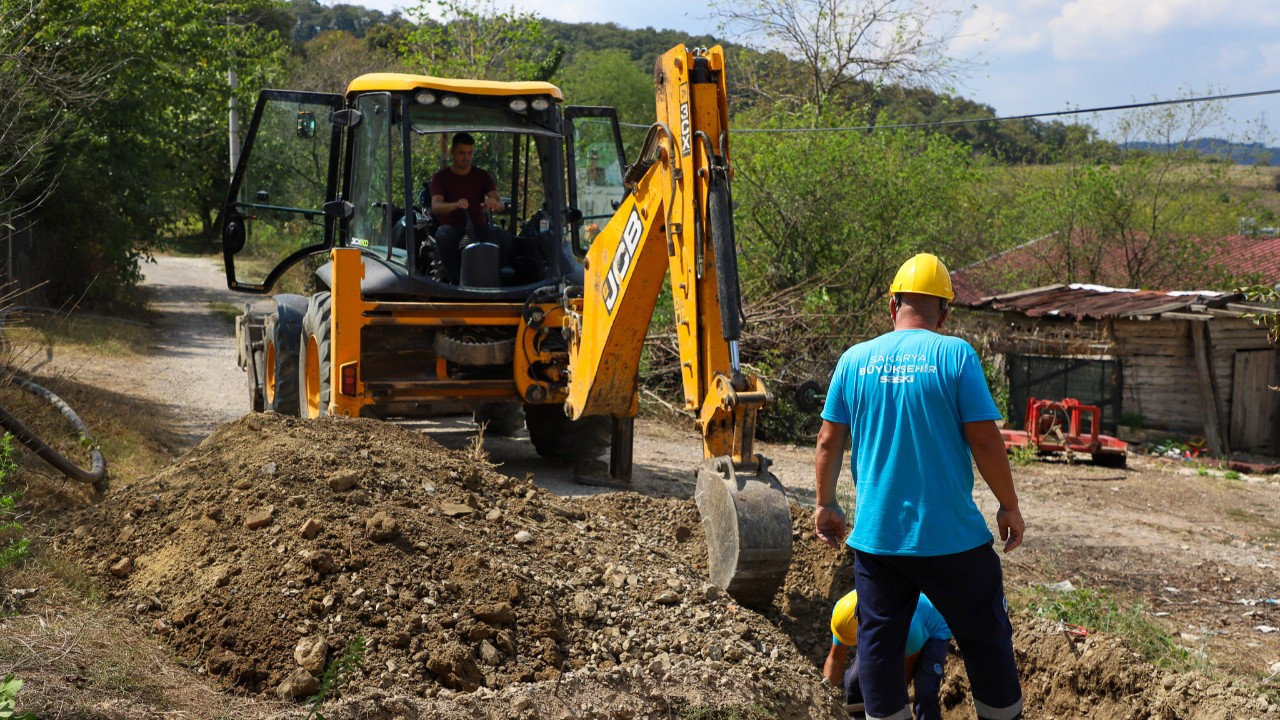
{"x":298,"y":684}
{"x":311,"y":652}
{"x":122,"y":567}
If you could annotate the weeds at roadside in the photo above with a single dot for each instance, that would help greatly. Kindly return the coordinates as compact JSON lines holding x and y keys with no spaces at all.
{"x":226,"y":312}
{"x":1023,"y":455}
{"x":1100,"y":610}
{"x":9,"y":688}
{"x":335,"y":674}
{"x":1231,"y":475}
{"x":14,"y":546}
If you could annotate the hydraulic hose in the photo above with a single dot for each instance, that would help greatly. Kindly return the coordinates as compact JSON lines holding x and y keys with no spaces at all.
{"x":24,"y":434}
{"x":98,"y":469}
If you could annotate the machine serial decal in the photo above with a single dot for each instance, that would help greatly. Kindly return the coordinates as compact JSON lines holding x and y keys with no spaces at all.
{"x":621,"y":264}
{"x":686,"y":130}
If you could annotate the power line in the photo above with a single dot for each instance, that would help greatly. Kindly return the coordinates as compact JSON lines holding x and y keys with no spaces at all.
{"x":1029,"y":116}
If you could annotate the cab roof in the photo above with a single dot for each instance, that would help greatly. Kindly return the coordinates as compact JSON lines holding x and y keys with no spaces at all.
{"x":391,"y":82}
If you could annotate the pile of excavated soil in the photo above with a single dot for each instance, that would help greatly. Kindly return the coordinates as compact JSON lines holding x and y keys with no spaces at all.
{"x":266,"y":551}
{"x":1098,"y":676}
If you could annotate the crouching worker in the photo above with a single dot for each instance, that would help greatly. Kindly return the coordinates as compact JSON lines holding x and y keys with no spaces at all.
{"x":926,"y":654}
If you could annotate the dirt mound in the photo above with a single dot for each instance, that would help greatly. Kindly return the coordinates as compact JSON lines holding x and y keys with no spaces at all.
{"x":268,"y":549}
{"x":1098,"y":676}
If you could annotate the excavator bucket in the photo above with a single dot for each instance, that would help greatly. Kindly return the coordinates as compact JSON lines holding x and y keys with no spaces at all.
{"x":747,"y":522}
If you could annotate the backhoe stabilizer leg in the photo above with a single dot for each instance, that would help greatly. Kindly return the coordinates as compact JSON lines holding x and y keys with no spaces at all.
{"x":747,"y":522}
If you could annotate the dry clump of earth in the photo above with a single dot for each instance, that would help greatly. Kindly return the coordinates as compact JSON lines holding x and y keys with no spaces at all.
{"x":265,"y":552}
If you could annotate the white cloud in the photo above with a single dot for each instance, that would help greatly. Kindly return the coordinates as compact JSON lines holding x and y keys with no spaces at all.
{"x":1123,"y":28}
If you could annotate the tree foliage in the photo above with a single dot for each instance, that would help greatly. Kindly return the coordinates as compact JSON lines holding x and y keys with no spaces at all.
{"x":38,"y":88}
{"x":839,"y":43}
{"x":477,"y":41}
{"x":152,"y":151}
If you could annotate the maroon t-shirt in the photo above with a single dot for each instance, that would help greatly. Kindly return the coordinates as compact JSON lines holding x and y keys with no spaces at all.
{"x":453,"y":187}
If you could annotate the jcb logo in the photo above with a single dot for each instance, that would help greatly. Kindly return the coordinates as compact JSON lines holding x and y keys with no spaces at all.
{"x":686,"y":130}
{"x":621,"y":264}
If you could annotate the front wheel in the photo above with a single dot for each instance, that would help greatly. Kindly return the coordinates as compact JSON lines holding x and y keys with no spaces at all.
{"x":556,"y":437}
{"x":314,"y":358}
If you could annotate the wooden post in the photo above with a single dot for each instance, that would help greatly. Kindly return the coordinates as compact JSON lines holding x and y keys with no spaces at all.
{"x":1210,"y":403}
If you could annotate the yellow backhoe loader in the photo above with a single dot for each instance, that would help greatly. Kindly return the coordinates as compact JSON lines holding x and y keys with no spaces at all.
{"x":550,"y":325}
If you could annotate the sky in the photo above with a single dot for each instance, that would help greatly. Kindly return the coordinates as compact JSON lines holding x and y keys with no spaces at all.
{"x":1029,"y":56}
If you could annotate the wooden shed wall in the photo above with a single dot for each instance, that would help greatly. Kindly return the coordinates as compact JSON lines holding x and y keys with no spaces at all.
{"x":1159,"y":373}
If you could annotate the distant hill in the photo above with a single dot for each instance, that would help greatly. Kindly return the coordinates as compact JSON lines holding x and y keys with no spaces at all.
{"x":1023,"y":141}
{"x":1239,"y":153}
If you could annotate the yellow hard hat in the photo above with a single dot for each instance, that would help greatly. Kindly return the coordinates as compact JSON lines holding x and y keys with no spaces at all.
{"x":924,"y":274}
{"x":844,"y":619}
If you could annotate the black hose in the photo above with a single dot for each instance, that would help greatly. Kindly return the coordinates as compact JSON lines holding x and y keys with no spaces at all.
{"x":98,"y":470}
{"x":92,"y":476}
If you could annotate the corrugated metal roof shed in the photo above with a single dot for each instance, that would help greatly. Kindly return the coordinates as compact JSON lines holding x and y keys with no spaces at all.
{"x":1100,"y":302}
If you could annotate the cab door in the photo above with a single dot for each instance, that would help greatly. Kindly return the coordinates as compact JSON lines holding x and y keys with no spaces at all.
{"x":595,"y":163}
{"x":274,"y":212}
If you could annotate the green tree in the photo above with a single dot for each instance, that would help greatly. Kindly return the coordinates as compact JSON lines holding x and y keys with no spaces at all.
{"x":479,"y":42}
{"x":838,"y":43}
{"x":332,"y":59}
{"x":153,"y":149}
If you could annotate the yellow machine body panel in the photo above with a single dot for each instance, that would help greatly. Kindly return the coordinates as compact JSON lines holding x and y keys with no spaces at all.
{"x":392,"y":82}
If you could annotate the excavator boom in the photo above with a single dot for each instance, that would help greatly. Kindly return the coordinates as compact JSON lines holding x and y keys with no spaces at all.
{"x":677,"y":218}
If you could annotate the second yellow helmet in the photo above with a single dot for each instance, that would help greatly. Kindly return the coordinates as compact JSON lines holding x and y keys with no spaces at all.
{"x":844,"y":619}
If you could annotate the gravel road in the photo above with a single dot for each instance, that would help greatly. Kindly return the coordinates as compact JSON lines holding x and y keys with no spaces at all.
{"x":192,"y":370}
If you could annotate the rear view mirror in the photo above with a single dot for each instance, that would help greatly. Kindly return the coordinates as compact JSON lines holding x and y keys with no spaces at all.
{"x":306,"y":124}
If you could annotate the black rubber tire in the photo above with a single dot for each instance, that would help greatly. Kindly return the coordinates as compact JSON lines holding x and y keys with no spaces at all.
{"x":315,"y":325}
{"x":500,"y":418}
{"x":556,"y":437}
{"x":282,"y":331}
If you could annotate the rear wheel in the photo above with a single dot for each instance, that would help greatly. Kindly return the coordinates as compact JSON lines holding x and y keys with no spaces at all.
{"x":314,"y":358}
{"x":280,"y":386}
{"x":500,"y":418}
{"x":558,"y":438}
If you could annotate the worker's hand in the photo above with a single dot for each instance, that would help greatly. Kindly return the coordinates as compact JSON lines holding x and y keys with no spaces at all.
{"x":493,"y":204}
{"x":1011,"y":527}
{"x":829,"y":523}
{"x":463,"y":204}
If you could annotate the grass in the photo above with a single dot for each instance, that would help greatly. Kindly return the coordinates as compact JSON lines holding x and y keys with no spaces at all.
{"x":1023,"y":455}
{"x":28,"y":336}
{"x":1101,"y":611}
{"x":226,"y":312}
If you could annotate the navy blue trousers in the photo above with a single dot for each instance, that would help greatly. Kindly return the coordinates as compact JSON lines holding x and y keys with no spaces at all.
{"x":926,"y":682}
{"x":967,"y":588}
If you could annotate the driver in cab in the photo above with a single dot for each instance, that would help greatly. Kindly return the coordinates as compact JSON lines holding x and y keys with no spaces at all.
{"x":460,"y":195}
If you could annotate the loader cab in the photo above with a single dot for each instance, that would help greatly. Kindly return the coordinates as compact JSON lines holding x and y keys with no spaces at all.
{"x":321,"y":171}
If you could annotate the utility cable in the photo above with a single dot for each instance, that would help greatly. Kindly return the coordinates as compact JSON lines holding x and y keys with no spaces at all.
{"x":1028,"y":116}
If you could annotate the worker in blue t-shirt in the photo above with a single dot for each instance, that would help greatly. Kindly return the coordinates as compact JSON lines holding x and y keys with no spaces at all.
{"x":916,"y":405}
{"x":926,"y":655}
